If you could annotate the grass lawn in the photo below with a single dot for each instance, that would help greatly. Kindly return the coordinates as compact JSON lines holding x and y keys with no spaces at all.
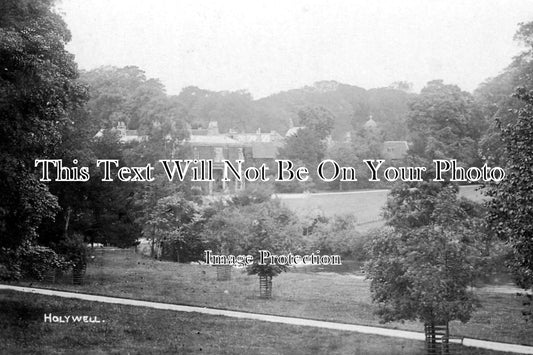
{"x":138,"y":330}
{"x":324,"y":296}
{"x":365,"y":205}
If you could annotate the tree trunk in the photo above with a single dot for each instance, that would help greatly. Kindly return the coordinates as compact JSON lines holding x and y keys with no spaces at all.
{"x":152,"y":246}
{"x":67,"y":220}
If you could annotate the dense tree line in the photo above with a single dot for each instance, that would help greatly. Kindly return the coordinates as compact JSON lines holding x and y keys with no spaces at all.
{"x":39,"y":92}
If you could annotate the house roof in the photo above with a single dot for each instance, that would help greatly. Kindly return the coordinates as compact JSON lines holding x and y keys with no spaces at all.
{"x":292,"y":131}
{"x":126,"y":135}
{"x":213,"y":140}
{"x":257,"y":137}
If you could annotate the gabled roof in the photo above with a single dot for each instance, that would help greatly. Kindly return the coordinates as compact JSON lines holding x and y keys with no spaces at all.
{"x":292,"y":131}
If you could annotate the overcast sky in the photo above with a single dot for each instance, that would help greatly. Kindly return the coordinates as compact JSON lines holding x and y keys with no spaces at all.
{"x":269,"y":46}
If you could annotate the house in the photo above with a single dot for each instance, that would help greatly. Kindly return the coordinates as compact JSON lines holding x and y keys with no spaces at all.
{"x":210,"y":144}
{"x":260,"y":147}
{"x":252,"y":148}
{"x":257,"y":137}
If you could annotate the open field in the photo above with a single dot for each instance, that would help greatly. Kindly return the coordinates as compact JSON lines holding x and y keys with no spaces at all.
{"x":365,"y":205}
{"x":324,"y":296}
{"x":138,"y":330}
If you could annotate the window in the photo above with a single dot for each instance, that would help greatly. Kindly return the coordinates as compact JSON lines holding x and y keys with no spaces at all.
{"x":219,"y":154}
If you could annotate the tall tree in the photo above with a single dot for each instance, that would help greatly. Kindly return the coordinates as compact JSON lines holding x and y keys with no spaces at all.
{"x":511,"y":206}
{"x":422,"y":267}
{"x":38,"y":90}
{"x":308,"y":145}
{"x":445,"y":123}
{"x":496,"y":95}
{"x":317,"y":119}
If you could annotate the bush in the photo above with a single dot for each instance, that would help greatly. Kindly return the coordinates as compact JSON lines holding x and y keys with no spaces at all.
{"x":266,"y":270}
{"x":36,"y":260}
{"x":29,"y":260}
{"x":73,"y":250}
{"x":337,"y":235}
{"x":253,"y":194}
{"x":9,"y":264}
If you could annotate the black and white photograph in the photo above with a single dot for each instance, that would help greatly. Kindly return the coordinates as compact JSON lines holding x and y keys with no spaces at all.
{"x":266,"y":177}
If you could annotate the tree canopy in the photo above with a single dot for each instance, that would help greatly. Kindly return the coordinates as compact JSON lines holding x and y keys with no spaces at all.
{"x":38,"y":91}
{"x":511,"y":206}
{"x":445,"y":123}
{"x":422,"y":265}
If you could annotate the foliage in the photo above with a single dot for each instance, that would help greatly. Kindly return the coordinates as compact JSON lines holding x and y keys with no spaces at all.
{"x":445,"y":123}
{"x":227,"y":230}
{"x":120,"y":94}
{"x":337,"y":235}
{"x":318,"y":119}
{"x":29,"y":260}
{"x":252,"y":194}
{"x":389,"y":108}
{"x":296,"y":186}
{"x":246,"y":229}
{"x":344,"y":154}
{"x":37,"y":260}
{"x":496,"y":97}
{"x":101,"y":211}
{"x":307,"y":147}
{"x":231,"y":109}
{"x":114,"y":212}
{"x":73,"y":249}
{"x":267,"y":269}
{"x":422,"y":264}
{"x":511,"y":212}
{"x":10,"y":264}
{"x":349,"y":105}
{"x":38,"y":88}
{"x":171,"y":224}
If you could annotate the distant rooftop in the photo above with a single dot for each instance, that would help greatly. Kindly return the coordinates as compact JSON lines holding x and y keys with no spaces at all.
{"x":370,"y":123}
{"x":126,"y":135}
{"x":292,"y":131}
{"x":273,"y":136}
{"x":212,"y":140}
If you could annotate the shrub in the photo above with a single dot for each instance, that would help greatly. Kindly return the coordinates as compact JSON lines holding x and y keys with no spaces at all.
{"x":29,"y":260}
{"x":36,"y":260}
{"x":73,"y":250}
{"x":337,"y":235}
